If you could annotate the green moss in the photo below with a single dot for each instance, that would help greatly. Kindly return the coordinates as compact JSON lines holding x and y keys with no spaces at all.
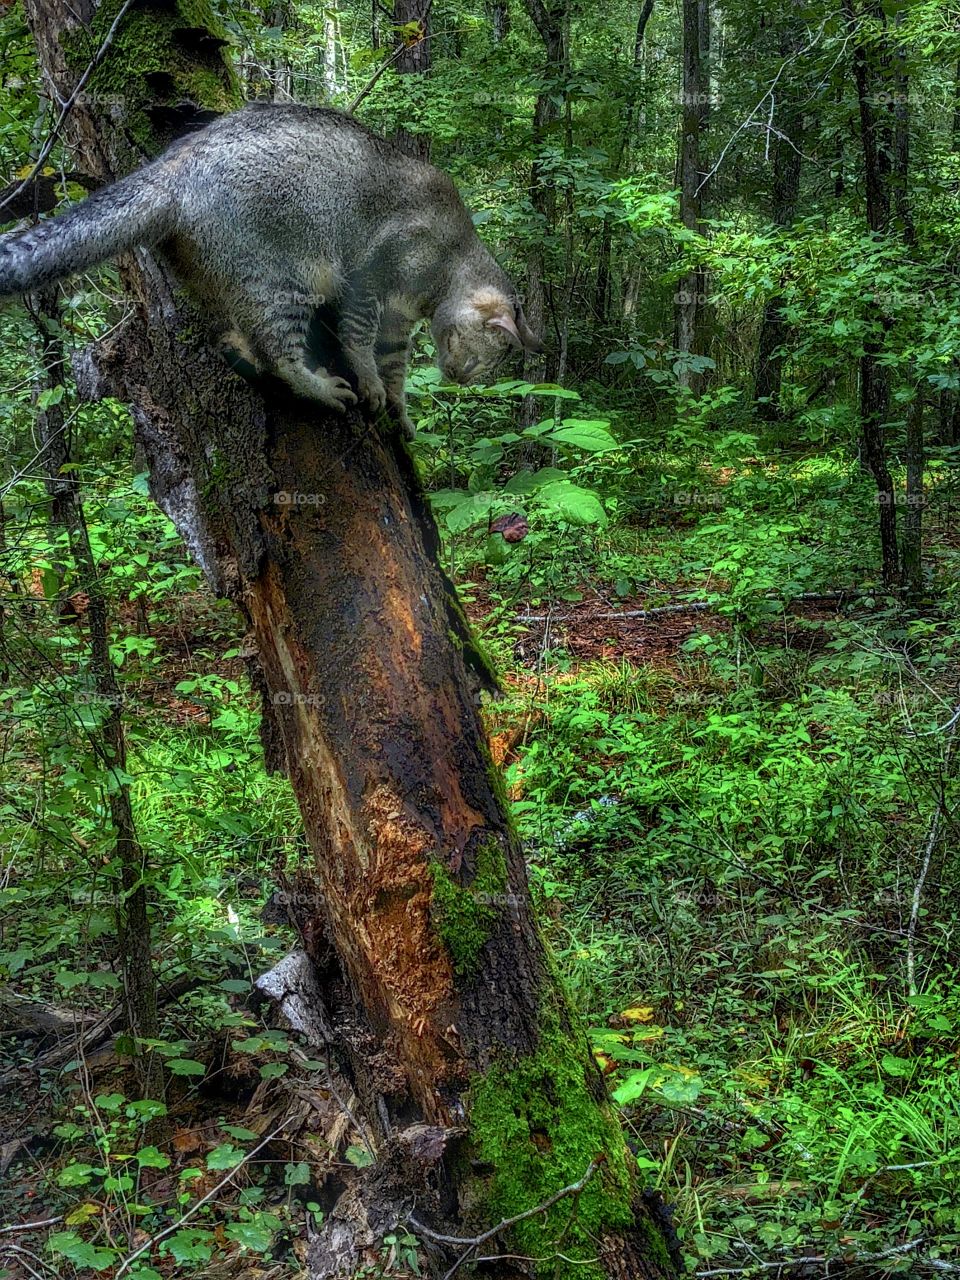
{"x":538,"y":1122}
{"x":224,"y":472}
{"x":465,"y":914}
{"x":145,"y":45}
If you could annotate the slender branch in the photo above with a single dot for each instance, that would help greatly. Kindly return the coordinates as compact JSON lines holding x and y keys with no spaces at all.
{"x":14,"y":1248}
{"x":781,"y":1264}
{"x":369,"y":86}
{"x":887,"y":1168}
{"x":750,"y":120}
{"x":469,"y":1243}
{"x":32,"y":1226}
{"x":386,"y":65}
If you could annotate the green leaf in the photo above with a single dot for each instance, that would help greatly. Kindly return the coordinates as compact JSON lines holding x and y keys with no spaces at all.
{"x":190,"y":1244}
{"x":237,"y":1131}
{"x":273,"y":1070}
{"x":296,"y":1175}
{"x":251,"y":1235}
{"x":594,"y":437}
{"x":465,"y":514}
{"x":186,"y":1067}
{"x":109,"y":1101}
{"x":895,"y":1066}
{"x":359,"y":1156}
{"x":226,"y":1156}
{"x":676,"y":1087}
{"x":571,"y":503}
{"x":70,"y":1246}
{"x":634,"y":1086}
{"x":152,"y":1158}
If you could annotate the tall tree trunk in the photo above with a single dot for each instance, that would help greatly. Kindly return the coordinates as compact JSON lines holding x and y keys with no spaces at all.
{"x":131,"y":910}
{"x":331,"y":45}
{"x":786,"y":191}
{"x":628,"y":126}
{"x":498,"y":12}
{"x":550,"y":19}
{"x":874,"y":378}
{"x":412,"y":21}
{"x":477,"y":1084}
{"x":691,"y":295}
{"x":911,"y":543}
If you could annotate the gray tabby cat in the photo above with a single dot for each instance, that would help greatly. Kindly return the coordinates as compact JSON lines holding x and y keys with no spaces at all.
{"x":271,"y":211}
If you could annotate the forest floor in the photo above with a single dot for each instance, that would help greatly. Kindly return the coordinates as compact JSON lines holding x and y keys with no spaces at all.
{"x":727,"y":813}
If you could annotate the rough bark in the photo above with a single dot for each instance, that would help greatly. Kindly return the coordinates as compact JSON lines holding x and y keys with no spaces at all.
{"x":911,"y":542}
{"x":412,"y":22}
{"x":444,"y":1003}
{"x":628,"y":127}
{"x":498,"y":12}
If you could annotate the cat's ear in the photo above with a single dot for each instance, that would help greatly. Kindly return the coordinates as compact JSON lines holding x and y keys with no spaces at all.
{"x":529,"y":339}
{"x":506,"y":325}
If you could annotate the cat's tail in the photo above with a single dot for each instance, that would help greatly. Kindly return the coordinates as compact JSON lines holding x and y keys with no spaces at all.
{"x":137,"y":210}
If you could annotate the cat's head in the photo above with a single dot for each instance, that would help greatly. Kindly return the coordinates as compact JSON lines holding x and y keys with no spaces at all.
{"x":474,"y":333}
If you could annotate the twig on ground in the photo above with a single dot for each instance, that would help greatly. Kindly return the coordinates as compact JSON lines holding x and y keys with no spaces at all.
{"x":21,"y":1255}
{"x":194,"y":1209}
{"x":691,"y":606}
{"x":31,"y":1226}
{"x":780,"y":1264}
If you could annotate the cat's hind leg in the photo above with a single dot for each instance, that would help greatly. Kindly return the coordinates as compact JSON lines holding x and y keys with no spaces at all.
{"x":276,"y":322}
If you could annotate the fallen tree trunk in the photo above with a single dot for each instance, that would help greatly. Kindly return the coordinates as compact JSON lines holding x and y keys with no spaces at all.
{"x":416,"y":913}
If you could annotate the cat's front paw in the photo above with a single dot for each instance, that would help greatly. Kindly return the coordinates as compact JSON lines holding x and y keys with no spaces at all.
{"x":372,"y":392}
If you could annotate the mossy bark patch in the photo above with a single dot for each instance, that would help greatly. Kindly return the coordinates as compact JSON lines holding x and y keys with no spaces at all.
{"x":538,"y":1123}
{"x":164,"y":60}
{"x":465,"y":914}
